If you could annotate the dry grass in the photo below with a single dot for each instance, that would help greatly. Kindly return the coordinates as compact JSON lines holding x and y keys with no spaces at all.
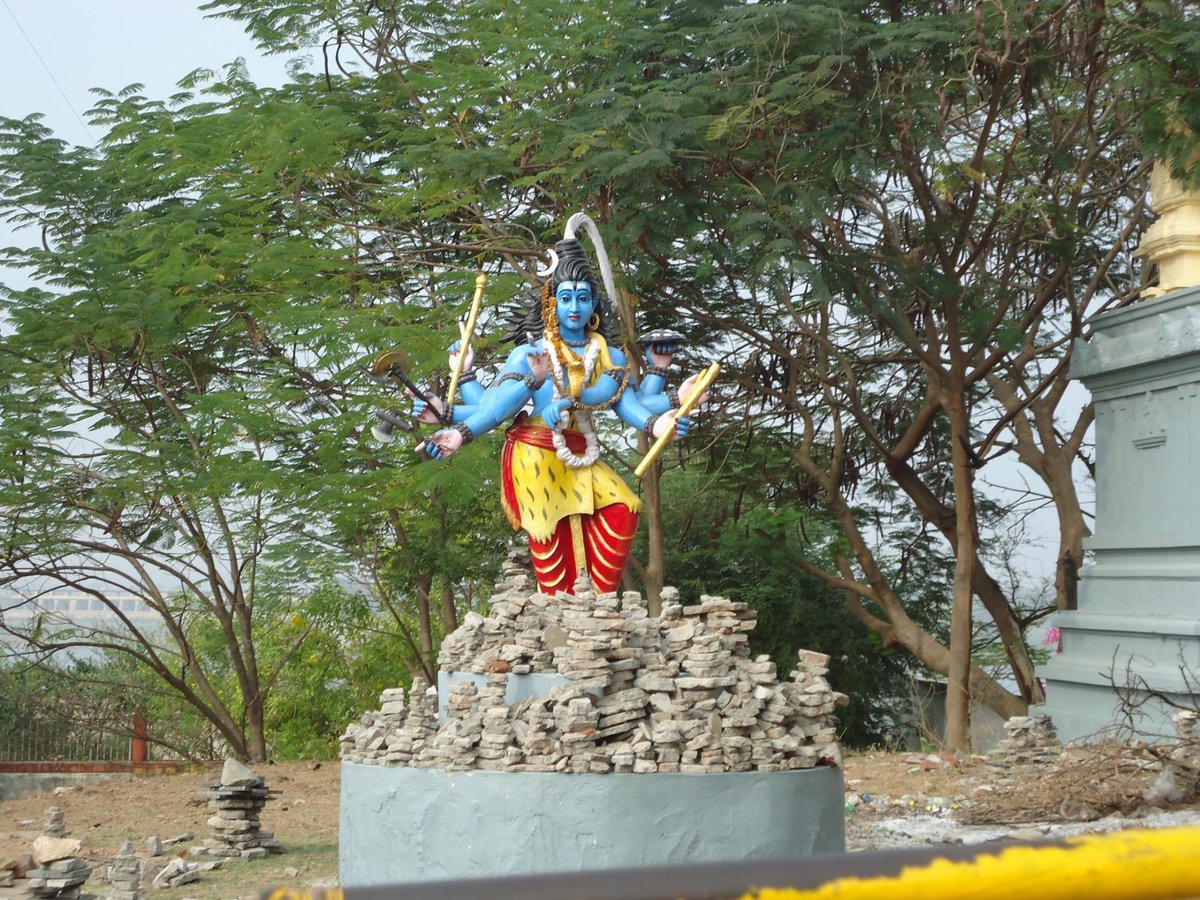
{"x":1085,"y":783}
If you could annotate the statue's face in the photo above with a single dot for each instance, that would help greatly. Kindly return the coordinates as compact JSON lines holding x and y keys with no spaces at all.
{"x":575,"y":305}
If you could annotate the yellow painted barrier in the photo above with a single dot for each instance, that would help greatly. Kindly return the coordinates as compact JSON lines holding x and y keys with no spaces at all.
{"x":1139,"y":865}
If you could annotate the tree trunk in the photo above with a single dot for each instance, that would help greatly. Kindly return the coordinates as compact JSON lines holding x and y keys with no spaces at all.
{"x":1072,"y":529}
{"x":256,"y":743}
{"x":958,"y":691}
{"x":449,"y":611}
{"x":904,"y":632}
{"x":425,"y":615}
{"x":994,"y":600}
{"x":655,"y":574}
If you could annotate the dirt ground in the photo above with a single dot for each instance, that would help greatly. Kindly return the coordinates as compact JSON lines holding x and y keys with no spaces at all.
{"x":103,"y":814}
{"x":893,"y":799}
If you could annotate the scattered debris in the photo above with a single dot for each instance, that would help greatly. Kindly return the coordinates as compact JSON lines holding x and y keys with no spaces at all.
{"x":1164,"y":791}
{"x":178,"y":871}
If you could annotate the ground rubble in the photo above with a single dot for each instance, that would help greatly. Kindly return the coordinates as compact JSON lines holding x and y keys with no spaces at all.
{"x":1029,"y":788}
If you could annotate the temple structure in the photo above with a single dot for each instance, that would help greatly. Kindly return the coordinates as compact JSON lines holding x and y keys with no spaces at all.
{"x":1132,"y":647}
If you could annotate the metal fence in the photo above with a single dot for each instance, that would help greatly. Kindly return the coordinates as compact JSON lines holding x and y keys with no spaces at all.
{"x":36,"y":739}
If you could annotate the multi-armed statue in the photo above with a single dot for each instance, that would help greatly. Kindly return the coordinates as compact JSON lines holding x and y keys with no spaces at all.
{"x":578,"y":513}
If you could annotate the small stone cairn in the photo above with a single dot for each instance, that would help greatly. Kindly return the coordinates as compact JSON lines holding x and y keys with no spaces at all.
{"x":55,"y":825}
{"x":124,"y":876}
{"x":60,"y":872}
{"x":236,"y":803}
{"x":1031,"y":741}
{"x":677,"y":693}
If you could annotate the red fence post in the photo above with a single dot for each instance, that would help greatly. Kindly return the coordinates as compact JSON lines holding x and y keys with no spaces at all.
{"x":138,"y":750}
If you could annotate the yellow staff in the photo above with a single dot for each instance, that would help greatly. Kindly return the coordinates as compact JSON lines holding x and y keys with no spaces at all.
{"x":707,"y":377}
{"x":466,"y":331}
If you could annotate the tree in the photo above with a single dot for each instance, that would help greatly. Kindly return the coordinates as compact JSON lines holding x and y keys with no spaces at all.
{"x":889,"y":219}
{"x":897,"y":215}
{"x":937,"y":201}
{"x":171,"y":404}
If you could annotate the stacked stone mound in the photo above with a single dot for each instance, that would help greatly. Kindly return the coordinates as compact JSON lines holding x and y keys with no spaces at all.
{"x":55,"y":824}
{"x":124,"y":876}
{"x":62,"y":878}
{"x":1031,"y":741}
{"x":60,"y":872}
{"x":675,"y":693}
{"x":236,"y":804}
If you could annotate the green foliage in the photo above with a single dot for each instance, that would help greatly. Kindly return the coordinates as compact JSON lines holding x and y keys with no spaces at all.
{"x":849,"y":203}
{"x":325,"y":654}
{"x":330,"y":657}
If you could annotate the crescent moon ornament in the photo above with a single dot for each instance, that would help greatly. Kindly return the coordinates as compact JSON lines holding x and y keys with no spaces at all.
{"x":549,"y":270}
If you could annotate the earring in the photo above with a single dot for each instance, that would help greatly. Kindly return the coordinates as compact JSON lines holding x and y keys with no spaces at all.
{"x":594,"y":322}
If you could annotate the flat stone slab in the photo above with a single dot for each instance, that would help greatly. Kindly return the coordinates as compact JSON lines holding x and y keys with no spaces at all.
{"x":402,"y":825}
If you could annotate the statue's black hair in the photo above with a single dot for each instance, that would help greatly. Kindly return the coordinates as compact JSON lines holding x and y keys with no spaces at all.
{"x":573,"y":265}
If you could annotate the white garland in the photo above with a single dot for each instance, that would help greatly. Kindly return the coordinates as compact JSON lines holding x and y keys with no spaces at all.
{"x":583,"y":417}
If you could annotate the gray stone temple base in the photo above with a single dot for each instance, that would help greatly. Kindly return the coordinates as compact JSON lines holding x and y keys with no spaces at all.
{"x":1136,"y":632}
{"x":404,"y":824}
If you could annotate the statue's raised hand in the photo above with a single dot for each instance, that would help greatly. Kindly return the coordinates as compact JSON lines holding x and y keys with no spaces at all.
{"x":444,"y":444}
{"x":660,"y":353}
{"x":539,"y":364}
{"x":685,"y":391}
{"x":427,"y":409}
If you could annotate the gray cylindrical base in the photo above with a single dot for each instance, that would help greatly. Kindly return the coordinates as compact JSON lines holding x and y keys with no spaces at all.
{"x":404,"y":825}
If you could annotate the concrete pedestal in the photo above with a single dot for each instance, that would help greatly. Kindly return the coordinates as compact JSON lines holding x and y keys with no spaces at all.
{"x":1136,"y":631}
{"x":403,"y":825}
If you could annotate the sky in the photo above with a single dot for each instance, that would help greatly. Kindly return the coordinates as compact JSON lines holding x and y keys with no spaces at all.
{"x":52,"y":52}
